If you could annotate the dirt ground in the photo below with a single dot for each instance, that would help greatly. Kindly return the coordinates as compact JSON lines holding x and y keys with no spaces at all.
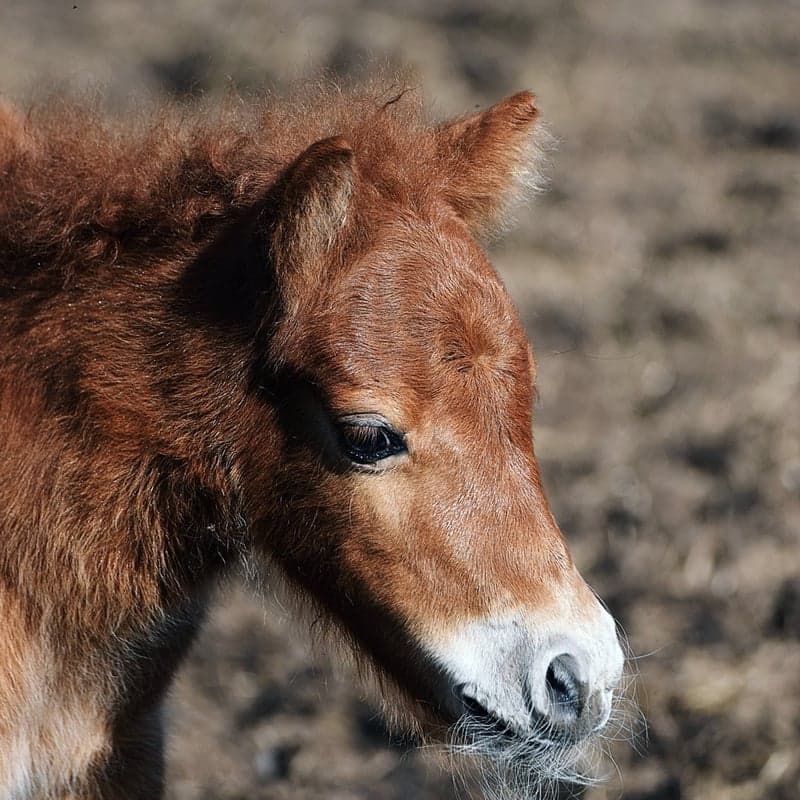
{"x":659,"y":279}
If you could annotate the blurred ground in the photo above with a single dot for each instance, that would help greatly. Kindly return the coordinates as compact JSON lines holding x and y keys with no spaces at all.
{"x":660,"y":282}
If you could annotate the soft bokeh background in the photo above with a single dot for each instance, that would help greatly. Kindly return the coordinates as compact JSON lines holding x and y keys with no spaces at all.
{"x":659,"y":279}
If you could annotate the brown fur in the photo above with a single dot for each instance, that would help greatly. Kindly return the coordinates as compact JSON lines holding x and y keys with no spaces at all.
{"x":185,"y":306}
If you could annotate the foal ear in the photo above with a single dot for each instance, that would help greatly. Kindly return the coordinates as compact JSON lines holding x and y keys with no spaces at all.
{"x":490,"y":159}
{"x":313,"y":206}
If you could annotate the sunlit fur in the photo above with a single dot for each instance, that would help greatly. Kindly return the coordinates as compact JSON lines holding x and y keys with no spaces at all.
{"x":188,"y":298}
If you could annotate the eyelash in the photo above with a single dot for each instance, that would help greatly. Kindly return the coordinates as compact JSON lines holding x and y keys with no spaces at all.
{"x":368,"y":441}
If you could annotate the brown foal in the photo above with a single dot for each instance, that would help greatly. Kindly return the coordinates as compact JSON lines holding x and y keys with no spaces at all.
{"x":271,"y":332}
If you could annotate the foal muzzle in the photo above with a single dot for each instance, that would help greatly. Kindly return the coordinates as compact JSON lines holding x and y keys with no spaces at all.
{"x":534,"y":680}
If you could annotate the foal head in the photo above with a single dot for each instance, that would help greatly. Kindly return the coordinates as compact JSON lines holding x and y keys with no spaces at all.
{"x":408,"y":502}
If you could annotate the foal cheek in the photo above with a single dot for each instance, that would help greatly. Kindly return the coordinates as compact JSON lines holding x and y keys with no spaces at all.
{"x":397,"y":553}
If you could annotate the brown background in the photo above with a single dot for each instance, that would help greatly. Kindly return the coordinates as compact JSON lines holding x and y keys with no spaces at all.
{"x":660,"y":282}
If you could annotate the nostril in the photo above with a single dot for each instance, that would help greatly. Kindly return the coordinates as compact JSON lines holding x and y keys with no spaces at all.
{"x":566,"y":693}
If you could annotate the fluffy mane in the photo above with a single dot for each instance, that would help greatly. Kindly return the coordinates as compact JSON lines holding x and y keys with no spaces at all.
{"x":83,"y":190}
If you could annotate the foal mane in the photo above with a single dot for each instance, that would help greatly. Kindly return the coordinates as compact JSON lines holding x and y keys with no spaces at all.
{"x":82,"y":190}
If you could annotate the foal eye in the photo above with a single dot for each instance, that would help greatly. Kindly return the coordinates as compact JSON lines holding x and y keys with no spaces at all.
{"x":368,"y":440}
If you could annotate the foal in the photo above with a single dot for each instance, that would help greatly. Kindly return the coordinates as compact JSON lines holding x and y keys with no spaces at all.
{"x":272,"y":334}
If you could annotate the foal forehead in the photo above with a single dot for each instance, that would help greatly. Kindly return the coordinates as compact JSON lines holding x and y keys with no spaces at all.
{"x":436,"y":279}
{"x":427,"y":309}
